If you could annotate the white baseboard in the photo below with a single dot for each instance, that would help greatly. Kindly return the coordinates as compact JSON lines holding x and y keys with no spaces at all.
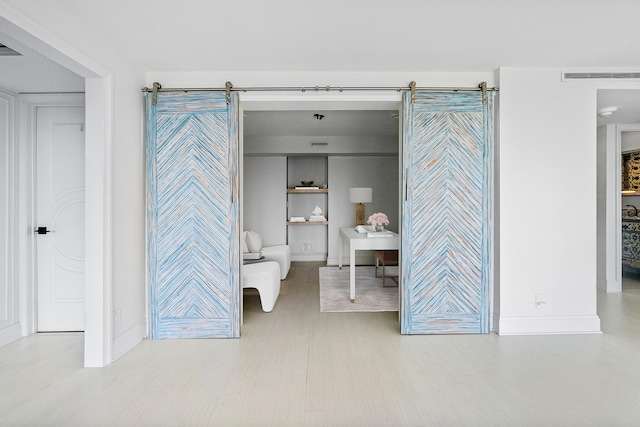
{"x":609,"y":286}
{"x":613,"y":286}
{"x":548,"y":325}
{"x":495,"y":321}
{"x":129,"y":339}
{"x":309,"y":257}
{"x":10,"y":334}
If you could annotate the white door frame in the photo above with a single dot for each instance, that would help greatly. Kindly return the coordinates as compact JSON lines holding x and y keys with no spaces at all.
{"x":614,"y":203}
{"x":97,"y":336}
{"x":288,"y":101}
{"x":98,"y":138}
{"x":29,"y":105}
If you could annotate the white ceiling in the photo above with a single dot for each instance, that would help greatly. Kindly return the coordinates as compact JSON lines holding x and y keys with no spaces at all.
{"x":32,"y":73}
{"x":359,"y":35}
{"x":349,"y":123}
{"x":338,"y":35}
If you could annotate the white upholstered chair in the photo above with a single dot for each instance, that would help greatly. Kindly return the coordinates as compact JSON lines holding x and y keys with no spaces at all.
{"x":265,"y":277}
{"x":278,"y":253}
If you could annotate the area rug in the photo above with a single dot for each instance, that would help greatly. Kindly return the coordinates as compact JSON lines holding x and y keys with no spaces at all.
{"x":370,"y":295}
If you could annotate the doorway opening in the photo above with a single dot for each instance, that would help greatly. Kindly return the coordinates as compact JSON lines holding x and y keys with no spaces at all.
{"x":353,"y":144}
{"x":98,"y":94}
{"x":618,"y":256}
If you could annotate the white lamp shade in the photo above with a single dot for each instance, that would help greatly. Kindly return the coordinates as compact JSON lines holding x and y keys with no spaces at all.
{"x":360,"y":195}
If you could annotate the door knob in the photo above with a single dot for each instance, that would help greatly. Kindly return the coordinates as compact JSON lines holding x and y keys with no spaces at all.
{"x":42,"y":230}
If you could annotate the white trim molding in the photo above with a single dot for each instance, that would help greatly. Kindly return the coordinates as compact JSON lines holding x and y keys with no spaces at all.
{"x":29,"y":105}
{"x":129,"y":339}
{"x":614,"y":205}
{"x":549,"y":325}
{"x":10,"y":328}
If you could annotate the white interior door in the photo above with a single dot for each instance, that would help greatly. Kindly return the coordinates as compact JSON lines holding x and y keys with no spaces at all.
{"x":60,"y":216}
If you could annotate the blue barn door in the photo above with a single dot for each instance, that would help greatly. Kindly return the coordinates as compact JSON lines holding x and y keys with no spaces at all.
{"x":447,"y":216}
{"x":192,"y":215}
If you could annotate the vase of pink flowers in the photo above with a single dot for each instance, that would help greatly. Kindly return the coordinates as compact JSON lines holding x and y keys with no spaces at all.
{"x":378,"y":220}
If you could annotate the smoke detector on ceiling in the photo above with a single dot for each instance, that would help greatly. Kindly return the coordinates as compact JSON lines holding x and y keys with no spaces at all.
{"x":607,"y":112}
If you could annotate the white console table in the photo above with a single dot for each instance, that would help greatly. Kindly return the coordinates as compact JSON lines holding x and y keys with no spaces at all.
{"x":360,"y":242}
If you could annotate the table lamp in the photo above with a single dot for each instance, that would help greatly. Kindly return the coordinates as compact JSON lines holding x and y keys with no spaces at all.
{"x":360,"y":196}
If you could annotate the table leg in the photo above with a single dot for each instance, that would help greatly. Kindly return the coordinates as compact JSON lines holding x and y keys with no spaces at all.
{"x":340,"y":252}
{"x":352,"y":273}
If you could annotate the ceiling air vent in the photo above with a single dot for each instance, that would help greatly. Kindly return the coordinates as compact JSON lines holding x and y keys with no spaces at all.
{"x":627,"y":75}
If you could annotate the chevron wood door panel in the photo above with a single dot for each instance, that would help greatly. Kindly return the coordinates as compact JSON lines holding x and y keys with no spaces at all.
{"x":193,"y":215}
{"x":447,"y":218}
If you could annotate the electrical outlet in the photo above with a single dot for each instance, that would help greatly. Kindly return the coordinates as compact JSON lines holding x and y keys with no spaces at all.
{"x":307,"y":247}
{"x":117,"y":316}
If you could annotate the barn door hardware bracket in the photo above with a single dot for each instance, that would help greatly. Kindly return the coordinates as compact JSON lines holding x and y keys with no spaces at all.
{"x":156,"y":87}
{"x":412,"y":87}
{"x":483,"y":88}
{"x":228,"y":87}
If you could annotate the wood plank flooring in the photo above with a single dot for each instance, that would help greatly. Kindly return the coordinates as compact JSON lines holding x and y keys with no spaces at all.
{"x":296,"y":366}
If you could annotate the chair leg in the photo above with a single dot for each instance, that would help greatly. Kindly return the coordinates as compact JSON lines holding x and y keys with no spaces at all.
{"x":383,"y":276}
{"x":392,"y":278}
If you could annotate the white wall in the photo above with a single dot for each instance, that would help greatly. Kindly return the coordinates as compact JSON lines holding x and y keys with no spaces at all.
{"x":264,"y":201}
{"x":264,"y":198}
{"x":630,"y":141}
{"x":547,"y":239}
{"x":10,"y":328}
{"x":116,"y":314}
{"x":378,"y":172}
{"x":128,"y":213}
{"x":335,"y":145}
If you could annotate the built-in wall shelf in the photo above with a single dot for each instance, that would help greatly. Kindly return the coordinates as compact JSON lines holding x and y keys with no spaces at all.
{"x":308,"y":223}
{"x":307,"y":191}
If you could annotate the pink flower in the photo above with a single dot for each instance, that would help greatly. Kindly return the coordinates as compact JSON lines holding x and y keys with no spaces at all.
{"x":378,"y":219}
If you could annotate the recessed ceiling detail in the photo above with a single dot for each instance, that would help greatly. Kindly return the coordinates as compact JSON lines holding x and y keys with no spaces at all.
{"x":7,"y":51}
{"x":343,"y":123}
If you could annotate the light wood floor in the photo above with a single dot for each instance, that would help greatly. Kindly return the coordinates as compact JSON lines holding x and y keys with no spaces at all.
{"x":296,"y":366}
